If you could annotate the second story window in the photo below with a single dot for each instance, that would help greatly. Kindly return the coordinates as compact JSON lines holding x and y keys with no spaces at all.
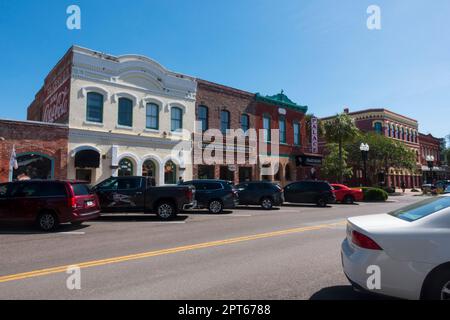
{"x":125,"y":112}
{"x":282,"y":125}
{"x":224,"y":121}
{"x":297,"y":134}
{"x":378,"y":128}
{"x":176,"y":119}
{"x":94,"y":109}
{"x":266,"y":127}
{"x":203,"y":117}
{"x":152,"y":116}
{"x":245,"y":122}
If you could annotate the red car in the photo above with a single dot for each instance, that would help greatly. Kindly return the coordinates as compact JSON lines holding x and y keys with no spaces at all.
{"x":47,"y":203}
{"x":346,"y":195}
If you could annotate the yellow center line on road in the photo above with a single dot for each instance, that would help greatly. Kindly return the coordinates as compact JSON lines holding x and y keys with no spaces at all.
{"x":102,"y":262}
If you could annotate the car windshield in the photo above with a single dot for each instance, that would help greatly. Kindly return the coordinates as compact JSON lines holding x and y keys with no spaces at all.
{"x":422,"y":209}
{"x":80,"y":189}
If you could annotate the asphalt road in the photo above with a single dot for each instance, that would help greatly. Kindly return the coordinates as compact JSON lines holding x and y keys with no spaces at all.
{"x":289,"y":253}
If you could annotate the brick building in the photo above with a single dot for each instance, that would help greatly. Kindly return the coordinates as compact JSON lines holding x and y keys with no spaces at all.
{"x":431,"y":146}
{"x":41,"y":150}
{"x":279,"y":112}
{"x":396,"y":127}
{"x":221,"y":107}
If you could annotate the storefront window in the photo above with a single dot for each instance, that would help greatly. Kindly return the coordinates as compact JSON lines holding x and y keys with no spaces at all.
{"x":33,"y":166}
{"x":206,"y":172}
{"x":170,"y":173}
{"x":126,"y":168}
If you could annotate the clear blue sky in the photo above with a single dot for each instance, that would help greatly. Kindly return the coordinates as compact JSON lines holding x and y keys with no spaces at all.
{"x":319,"y":51}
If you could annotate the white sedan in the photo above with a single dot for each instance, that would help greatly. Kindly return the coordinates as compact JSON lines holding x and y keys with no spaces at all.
{"x":403,"y":254}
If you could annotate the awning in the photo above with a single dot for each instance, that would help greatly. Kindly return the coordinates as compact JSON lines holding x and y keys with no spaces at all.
{"x":87,"y":159}
{"x":309,"y":160}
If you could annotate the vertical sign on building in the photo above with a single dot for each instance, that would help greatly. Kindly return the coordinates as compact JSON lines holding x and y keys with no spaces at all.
{"x":314,"y":135}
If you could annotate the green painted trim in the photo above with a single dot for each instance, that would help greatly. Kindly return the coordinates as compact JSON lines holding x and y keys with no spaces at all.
{"x":281,"y":100}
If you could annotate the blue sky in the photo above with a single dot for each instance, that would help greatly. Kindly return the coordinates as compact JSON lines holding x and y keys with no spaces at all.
{"x":319,"y":51}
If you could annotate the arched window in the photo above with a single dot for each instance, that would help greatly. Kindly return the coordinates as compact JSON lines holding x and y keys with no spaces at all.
{"x":94,"y":108}
{"x":282,"y":127}
{"x":266,"y":127}
{"x":378,"y":128}
{"x":297,"y":134}
{"x":203,"y":117}
{"x":176,"y":118}
{"x":245,"y":122}
{"x":170,"y":173}
{"x":125,"y":117}
{"x":152,"y":116}
{"x":33,"y":166}
{"x":224,"y":121}
{"x":126,"y":168}
{"x":149,"y":170}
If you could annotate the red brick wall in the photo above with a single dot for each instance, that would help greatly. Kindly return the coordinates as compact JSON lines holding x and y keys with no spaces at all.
{"x":218,"y":98}
{"x":48,"y":139}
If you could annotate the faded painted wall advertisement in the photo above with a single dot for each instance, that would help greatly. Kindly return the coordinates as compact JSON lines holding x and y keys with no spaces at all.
{"x":57,"y":92}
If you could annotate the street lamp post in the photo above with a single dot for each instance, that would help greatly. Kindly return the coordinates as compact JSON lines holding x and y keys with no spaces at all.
{"x":365,"y":153}
{"x":430,"y":162}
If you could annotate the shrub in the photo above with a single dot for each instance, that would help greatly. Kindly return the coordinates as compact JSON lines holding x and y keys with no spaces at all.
{"x":375,"y":194}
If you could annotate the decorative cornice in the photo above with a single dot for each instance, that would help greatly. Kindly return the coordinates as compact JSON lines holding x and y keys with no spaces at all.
{"x":281,"y":100}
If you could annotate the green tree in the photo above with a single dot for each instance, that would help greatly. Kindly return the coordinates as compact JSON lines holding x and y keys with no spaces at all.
{"x":384,"y":154}
{"x":340,"y":130}
{"x":331,"y":168}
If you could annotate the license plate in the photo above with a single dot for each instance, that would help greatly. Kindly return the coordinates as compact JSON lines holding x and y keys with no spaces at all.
{"x":90,"y":203}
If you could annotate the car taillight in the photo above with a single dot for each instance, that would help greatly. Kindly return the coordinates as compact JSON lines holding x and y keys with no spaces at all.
{"x":189,"y":194}
{"x":364,"y":241}
{"x":72,"y":200}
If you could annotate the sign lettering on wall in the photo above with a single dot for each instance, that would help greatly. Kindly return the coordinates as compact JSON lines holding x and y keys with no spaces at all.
{"x":314,"y":135}
{"x":57,"y":92}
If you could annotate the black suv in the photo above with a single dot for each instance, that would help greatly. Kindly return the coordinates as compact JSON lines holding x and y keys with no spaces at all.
{"x":318,"y":192}
{"x":214,"y":195}
{"x":263,"y":193}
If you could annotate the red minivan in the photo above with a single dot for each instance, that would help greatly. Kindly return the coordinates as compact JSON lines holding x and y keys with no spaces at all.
{"x":47,"y":203}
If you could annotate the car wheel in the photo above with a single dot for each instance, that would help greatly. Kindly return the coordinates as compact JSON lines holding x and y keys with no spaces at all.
{"x":47,"y":221}
{"x":166,"y":211}
{"x":215,"y":207}
{"x":267,"y":203}
{"x":349,"y":200}
{"x":438,"y":287}
{"x":321,"y":202}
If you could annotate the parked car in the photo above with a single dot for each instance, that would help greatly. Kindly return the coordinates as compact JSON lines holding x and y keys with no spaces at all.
{"x":263,"y":193}
{"x":137,"y":194}
{"x":214,"y":195}
{"x":409,"y":245}
{"x":346,"y":195}
{"x":447,"y":190}
{"x":318,"y":192}
{"x":47,"y":203}
{"x":441,"y":186}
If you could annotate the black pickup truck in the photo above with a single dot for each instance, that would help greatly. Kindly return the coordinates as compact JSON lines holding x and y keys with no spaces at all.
{"x":137,"y":194}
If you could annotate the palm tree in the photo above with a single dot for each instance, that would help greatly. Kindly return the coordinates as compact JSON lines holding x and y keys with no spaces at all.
{"x":339,"y":130}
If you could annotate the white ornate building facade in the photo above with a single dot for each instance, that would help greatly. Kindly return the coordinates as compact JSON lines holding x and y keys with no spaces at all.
{"x":126,"y":115}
